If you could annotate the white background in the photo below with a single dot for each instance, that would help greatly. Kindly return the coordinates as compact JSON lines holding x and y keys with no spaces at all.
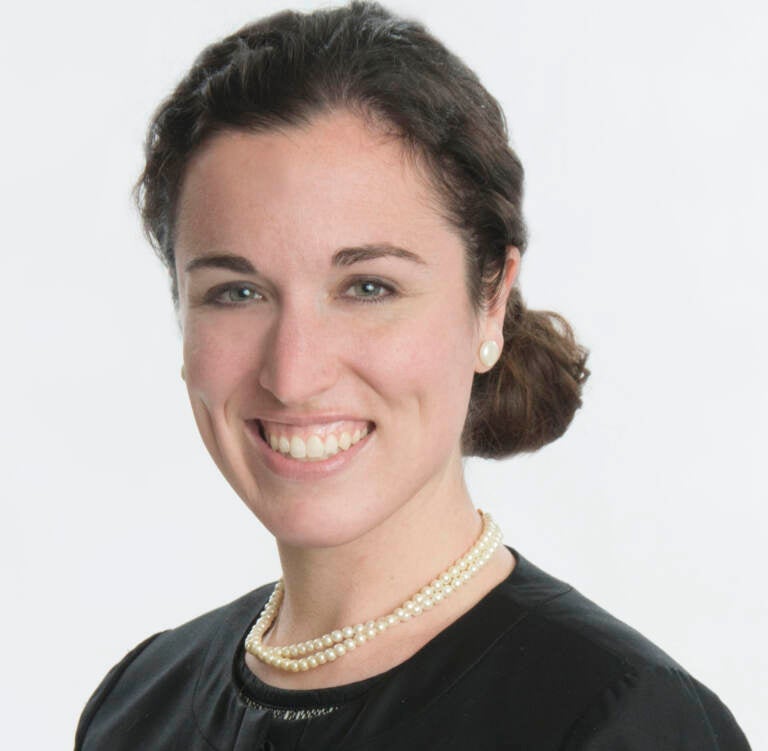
{"x":642,"y":127}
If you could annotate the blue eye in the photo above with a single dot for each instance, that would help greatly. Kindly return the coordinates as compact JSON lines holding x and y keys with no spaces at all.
{"x":234,"y":294}
{"x":371,"y":290}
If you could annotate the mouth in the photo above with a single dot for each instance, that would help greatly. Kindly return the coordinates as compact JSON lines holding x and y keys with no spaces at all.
{"x":313,"y":443}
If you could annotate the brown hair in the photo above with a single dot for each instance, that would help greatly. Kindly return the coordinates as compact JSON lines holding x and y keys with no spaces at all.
{"x":286,"y":68}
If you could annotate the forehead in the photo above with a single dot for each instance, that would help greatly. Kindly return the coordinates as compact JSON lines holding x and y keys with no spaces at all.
{"x":338,"y":180}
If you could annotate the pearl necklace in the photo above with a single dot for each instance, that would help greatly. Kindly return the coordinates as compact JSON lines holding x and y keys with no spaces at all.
{"x":310,"y":654}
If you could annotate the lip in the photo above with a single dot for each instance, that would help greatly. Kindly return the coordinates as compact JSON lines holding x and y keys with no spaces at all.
{"x":295,"y":470}
{"x":302,"y":420}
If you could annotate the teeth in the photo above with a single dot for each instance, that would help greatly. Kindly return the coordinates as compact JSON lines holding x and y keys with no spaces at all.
{"x":331,"y":445}
{"x":298,"y":448}
{"x":315,"y":447}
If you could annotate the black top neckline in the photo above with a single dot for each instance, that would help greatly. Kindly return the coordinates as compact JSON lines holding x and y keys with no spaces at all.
{"x":533,"y":664}
{"x":255,"y":690}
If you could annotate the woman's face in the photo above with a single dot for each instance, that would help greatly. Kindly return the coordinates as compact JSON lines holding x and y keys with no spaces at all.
{"x":322,"y":295}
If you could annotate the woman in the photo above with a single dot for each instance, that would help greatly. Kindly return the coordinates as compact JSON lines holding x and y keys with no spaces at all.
{"x":339,"y":210}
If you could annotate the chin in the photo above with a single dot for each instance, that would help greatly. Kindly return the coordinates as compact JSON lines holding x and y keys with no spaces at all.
{"x":319,"y":521}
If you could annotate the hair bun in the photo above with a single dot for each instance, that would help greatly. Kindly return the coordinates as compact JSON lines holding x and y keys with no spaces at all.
{"x":531,"y":395}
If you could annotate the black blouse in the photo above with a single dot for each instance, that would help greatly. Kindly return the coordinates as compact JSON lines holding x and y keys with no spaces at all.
{"x":534,"y":666}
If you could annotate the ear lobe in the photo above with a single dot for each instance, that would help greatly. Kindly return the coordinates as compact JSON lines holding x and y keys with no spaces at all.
{"x":493,"y":323}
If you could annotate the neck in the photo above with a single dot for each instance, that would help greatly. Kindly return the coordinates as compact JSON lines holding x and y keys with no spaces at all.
{"x":329,"y":588}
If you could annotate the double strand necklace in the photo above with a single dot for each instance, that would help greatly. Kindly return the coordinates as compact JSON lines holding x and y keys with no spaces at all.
{"x":313,"y":653}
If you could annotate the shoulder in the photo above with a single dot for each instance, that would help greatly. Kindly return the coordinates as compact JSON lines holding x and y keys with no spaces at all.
{"x":561,"y":612}
{"x":656,"y":708}
{"x":162,"y":668}
{"x":612,"y":687}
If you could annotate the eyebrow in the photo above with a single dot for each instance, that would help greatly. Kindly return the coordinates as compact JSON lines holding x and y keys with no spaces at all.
{"x":229,"y":261}
{"x":343,"y":257}
{"x":348,"y":256}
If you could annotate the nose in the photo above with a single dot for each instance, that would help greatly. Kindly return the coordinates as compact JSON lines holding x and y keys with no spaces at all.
{"x":298,"y":360}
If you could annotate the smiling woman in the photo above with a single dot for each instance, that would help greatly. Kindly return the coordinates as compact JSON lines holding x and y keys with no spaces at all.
{"x":337,"y":205}
{"x":306,"y":360}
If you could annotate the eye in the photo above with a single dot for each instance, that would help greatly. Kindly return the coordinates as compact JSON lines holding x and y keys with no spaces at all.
{"x":234,"y":294}
{"x":370,"y":290}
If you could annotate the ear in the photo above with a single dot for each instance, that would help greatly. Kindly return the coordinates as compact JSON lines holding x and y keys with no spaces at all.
{"x":494,"y":317}
{"x":492,"y":321}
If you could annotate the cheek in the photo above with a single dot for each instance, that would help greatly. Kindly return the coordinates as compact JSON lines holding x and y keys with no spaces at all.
{"x":425,"y":367}
{"x":216,"y":360}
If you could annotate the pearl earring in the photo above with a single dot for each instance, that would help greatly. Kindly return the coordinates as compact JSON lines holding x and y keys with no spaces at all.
{"x":183,"y":374}
{"x":489,"y":353}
